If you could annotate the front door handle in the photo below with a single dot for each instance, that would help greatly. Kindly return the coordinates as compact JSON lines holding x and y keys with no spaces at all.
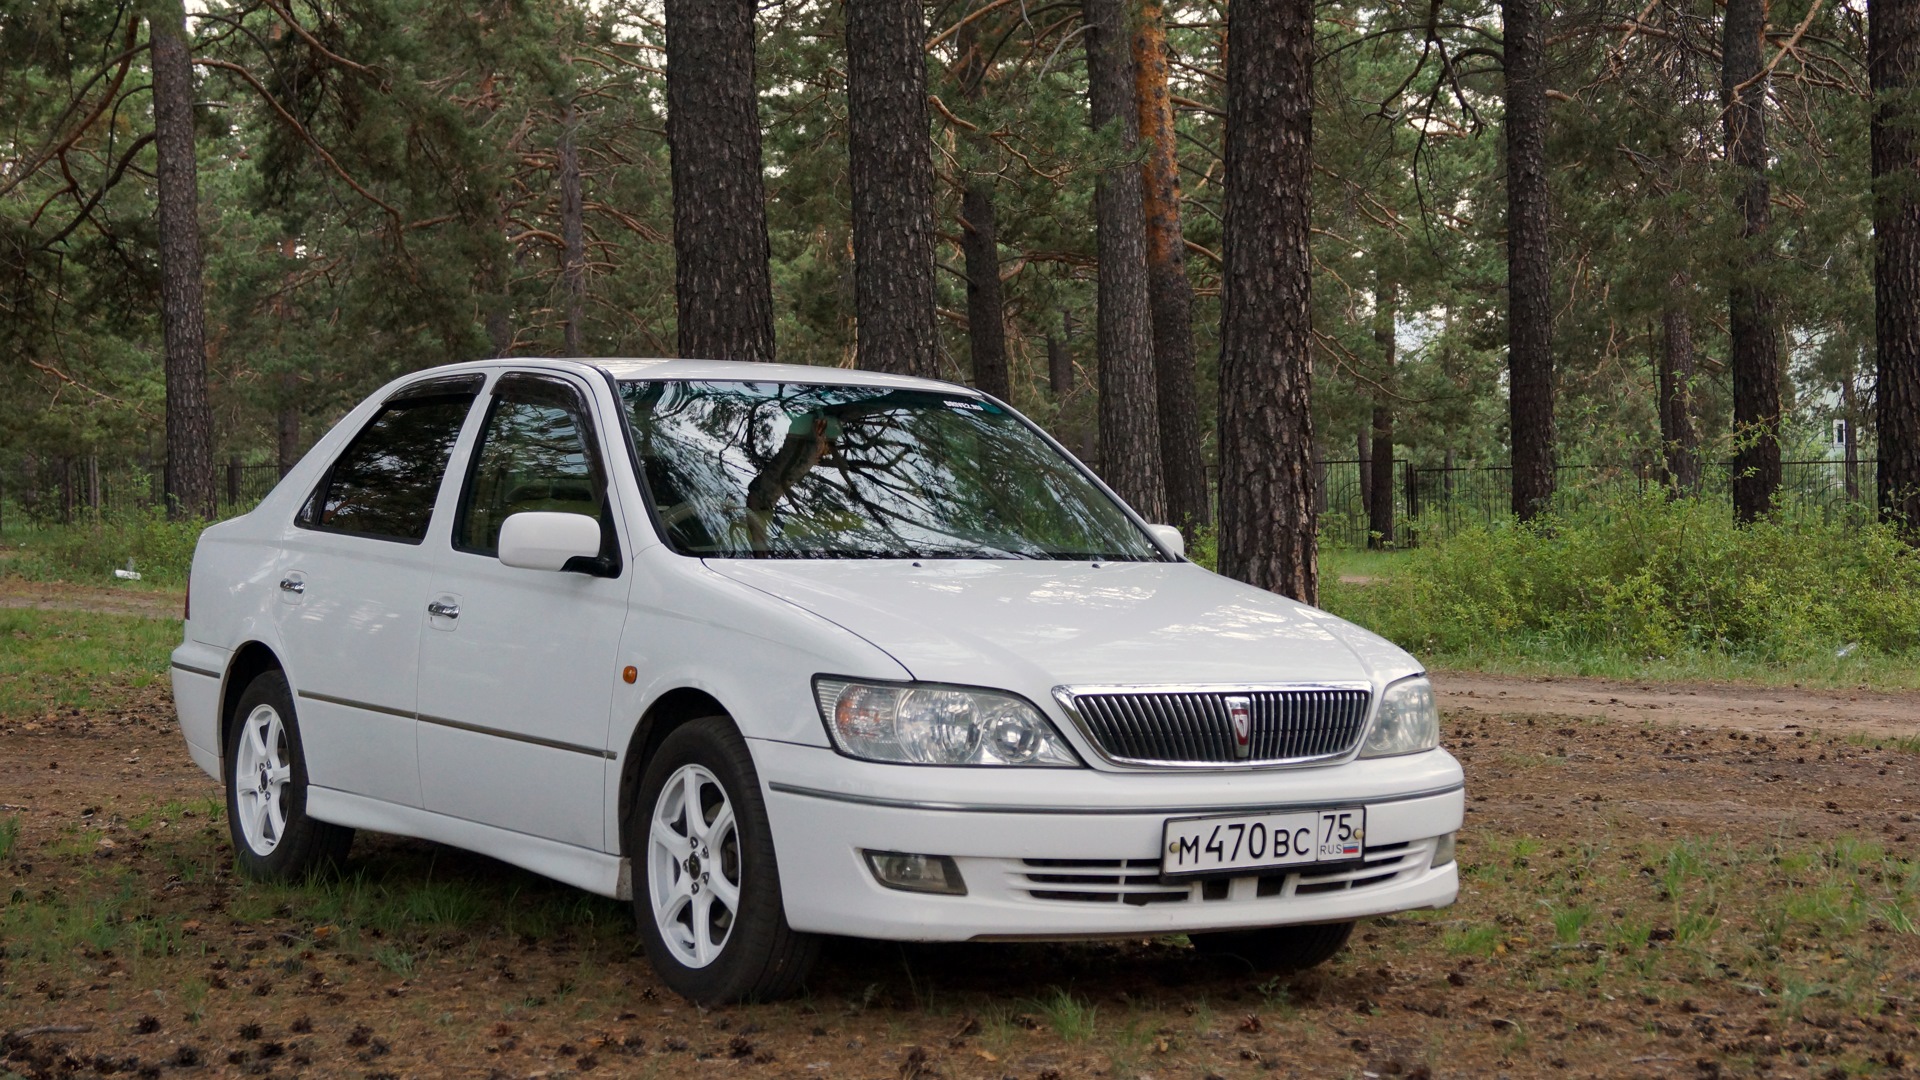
{"x":292,"y":585}
{"x":444,"y":610}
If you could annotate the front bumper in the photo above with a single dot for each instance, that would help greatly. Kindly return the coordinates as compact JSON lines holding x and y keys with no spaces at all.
{"x":1055,"y":854}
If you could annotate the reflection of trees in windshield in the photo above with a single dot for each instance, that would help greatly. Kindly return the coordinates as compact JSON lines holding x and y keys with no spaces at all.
{"x":745,"y":469}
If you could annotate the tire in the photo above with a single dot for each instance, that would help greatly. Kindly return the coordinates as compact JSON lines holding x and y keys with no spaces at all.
{"x":706,"y":887}
{"x":1280,"y":950}
{"x":266,"y":775}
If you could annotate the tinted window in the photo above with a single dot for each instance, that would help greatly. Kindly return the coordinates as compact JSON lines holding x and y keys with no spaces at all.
{"x":536,"y":453}
{"x":782,"y":470}
{"x":384,"y":484}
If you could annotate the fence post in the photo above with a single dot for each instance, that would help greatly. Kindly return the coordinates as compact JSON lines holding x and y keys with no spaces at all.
{"x":233,"y":481}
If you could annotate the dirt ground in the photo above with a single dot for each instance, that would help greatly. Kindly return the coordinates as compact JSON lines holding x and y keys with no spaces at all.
{"x":101,"y":600}
{"x":1658,"y":881}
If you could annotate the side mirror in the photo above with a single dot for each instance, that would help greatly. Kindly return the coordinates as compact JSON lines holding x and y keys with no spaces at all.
{"x":542,"y":540}
{"x":1168,"y":536}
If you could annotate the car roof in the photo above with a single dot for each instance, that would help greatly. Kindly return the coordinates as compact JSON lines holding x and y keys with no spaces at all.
{"x":639,"y":368}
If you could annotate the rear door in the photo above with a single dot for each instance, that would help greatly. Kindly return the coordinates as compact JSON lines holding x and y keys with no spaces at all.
{"x":517,"y":666}
{"x":350,"y":614}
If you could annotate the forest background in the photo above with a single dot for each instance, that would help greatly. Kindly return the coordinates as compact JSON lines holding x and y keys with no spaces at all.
{"x":1545,"y":248}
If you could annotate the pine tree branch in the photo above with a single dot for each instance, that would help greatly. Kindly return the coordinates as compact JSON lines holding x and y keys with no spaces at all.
{"x":1798,"y":33}
{"x":61,"y":146}
{"x":293,"y":24}
{"x":301,"y":130}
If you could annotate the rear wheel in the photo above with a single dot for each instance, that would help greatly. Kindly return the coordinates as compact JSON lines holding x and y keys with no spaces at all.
{"x":1277,"y":949}
{"x":273,"y":838}
{"x":706,"y":889}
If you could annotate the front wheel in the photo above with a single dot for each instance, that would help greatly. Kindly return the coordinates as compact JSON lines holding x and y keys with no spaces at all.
{"x":707,"y":894}
{"x":1280,"y":950}
{"x":273,"y":838}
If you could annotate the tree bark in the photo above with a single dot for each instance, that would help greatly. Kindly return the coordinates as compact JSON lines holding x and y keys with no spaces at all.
{"x":1850,"y":438}
{"x":1893,"y":61}
{"x":986,"y":330}
{"x":1059,"y":366}
{"x":1363,"y":457}
{"x":189,"y":485}
{"x":1268,"y":527}
{"x":890,"y":169}
{"x":979,"y":240}
{"x":723,"y":289}
{"x":1679,"y":440}
{"x":1380,"y":506}
{"x":287,"y":423}
{"x":1753,"y":350}
{"x":573,"y":254}
{"x":1529,"y":266}
{"x":1129,"y":410}
{"x":1170,"y":293}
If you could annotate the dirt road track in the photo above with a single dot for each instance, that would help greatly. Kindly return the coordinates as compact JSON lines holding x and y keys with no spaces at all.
{"x":1747,"y":708}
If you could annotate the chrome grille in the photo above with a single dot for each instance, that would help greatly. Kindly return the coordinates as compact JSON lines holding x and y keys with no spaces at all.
{"x":1195,"y":727}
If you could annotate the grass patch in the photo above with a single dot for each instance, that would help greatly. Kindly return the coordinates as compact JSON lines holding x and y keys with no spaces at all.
{"x":71,"y":659}
{"x":160,"y":550}
{"x":9,"y":834}
{"x":1644,"y":587}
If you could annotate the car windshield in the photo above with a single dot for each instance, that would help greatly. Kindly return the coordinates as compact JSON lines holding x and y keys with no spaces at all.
{"x":798,"y":471}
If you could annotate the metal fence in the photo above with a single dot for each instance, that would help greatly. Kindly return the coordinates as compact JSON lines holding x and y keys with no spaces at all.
{"x":61,"y":492}
{"x":1432,"y":502}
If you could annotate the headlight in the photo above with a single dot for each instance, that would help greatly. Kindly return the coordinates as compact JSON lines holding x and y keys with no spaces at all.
{"x":1409,"y":721}
{"x":937,"y":725}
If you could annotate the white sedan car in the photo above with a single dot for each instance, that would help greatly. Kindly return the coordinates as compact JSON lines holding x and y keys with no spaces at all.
{"x":779,"y":652}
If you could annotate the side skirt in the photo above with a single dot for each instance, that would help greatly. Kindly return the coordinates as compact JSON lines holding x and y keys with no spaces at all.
{"x":594,"y":871}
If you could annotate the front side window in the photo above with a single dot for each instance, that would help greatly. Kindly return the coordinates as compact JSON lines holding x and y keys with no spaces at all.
{"x":536,"y":453}
{"x":784,"y":470}
{"x":384,"y":484}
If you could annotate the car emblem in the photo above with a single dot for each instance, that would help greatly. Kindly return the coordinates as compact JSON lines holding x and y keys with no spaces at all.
{"x":1240,"y":711}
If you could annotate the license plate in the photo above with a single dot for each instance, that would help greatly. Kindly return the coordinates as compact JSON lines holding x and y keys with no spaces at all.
{"x":1245,"y":842}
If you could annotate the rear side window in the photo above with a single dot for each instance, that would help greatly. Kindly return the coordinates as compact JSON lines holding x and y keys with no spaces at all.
{"x":384,"y":484}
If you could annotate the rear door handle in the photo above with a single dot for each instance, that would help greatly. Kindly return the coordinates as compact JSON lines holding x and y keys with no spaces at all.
{"x":292,"y":585}
{"x":443,"y":610}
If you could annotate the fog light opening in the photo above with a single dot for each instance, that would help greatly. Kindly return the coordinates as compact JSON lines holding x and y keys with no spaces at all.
{"x":1443,"y":851}
{"x":916,"y":873}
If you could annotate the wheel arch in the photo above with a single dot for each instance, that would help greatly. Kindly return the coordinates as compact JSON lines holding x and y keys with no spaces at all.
{"x":249,"y":662}
{"x":668,"y":711}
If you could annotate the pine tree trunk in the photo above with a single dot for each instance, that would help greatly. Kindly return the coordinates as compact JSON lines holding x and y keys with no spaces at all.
{"x":1059,"y":366}
{"x":287,"y":423}
{"x":1679,"y":440}
{"x":1129,"y":411}
{"x":979,"y":239}
{"x":189,"y":470}
{"x":1893,"y":51}
{"x":890,"y":170}
{"x":1268,"y":528}
{"x":573,"y":254}
{"x":1363,"y":458}
{"x":1753,"y":350}
{"x":1850,"y":436}
{"x":986,"y":332}
{"x":1529,"y":269}
{"x":1380,"y":506}
{"x":723,"y":289}
{"x":1170,"y":293}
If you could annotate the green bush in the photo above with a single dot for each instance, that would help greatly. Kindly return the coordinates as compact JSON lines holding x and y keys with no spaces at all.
{"x":1642,"y":576}
{"x":161,"y":550}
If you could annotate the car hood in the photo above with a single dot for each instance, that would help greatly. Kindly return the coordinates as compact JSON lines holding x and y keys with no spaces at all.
{"x":1034,"y":625}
